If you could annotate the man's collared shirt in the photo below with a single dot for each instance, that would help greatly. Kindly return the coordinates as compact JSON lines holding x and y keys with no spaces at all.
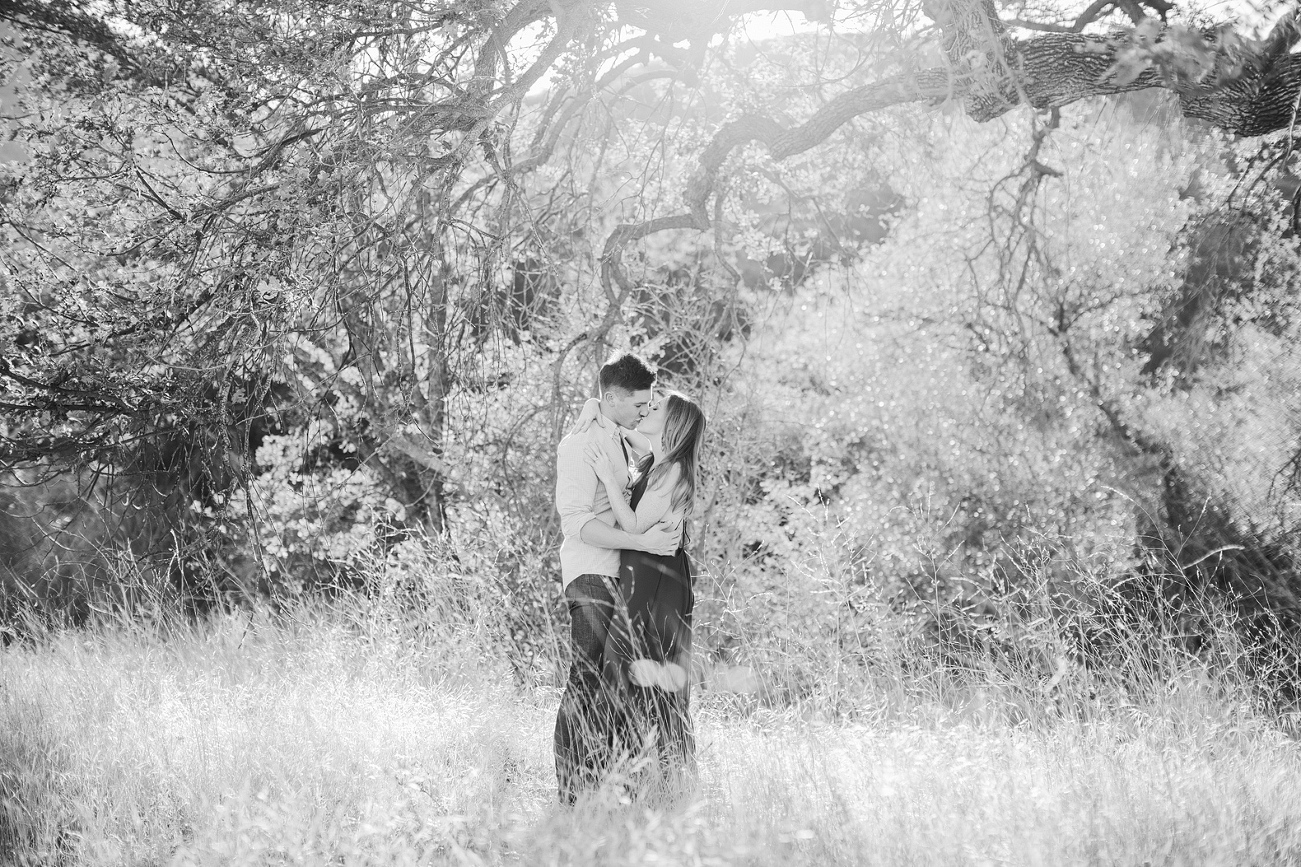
{"x":581,"y":497}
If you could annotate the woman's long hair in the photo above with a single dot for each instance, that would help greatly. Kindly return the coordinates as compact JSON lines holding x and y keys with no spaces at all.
{"x":684,"y":429}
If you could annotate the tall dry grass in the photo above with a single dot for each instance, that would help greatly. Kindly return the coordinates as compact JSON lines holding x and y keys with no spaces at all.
{"x":389,"y":729}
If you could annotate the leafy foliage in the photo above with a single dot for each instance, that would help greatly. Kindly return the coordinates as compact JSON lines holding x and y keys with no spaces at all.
{"x":321,"y":277}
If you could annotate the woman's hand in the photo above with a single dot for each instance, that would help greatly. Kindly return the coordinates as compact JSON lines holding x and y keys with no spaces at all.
{"x":586,"y":418}
{"x":604,"y":466}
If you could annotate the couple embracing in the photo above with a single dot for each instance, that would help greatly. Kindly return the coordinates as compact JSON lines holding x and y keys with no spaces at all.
{"x":625,"y":484}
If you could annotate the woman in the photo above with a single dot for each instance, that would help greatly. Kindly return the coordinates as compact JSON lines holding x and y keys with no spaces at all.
{"x":648,"y":649}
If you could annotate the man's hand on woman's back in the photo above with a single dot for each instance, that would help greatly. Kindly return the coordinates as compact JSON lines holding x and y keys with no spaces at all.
{"x":662,"y":539}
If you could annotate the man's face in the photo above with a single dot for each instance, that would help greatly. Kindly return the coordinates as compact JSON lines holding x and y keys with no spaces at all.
{"x":653,"y":423}
{"x":626,"y":408}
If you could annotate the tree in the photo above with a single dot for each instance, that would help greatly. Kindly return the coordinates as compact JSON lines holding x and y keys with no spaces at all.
{"x":434,"y":92}
{"x":322,"y":217}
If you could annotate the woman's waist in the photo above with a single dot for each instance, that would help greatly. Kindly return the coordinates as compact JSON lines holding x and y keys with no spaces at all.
{"x":676,"y":565}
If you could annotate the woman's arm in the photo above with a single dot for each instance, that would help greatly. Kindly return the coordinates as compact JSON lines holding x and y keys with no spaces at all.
{"x":662,"y":540}
{"x":624,"y":516}
{"x":655,"y":505}
{"x":587,"y":417}
{"x":608,"y":476}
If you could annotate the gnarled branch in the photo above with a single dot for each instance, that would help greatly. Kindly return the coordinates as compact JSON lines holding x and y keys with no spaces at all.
{"x":991,"y":73}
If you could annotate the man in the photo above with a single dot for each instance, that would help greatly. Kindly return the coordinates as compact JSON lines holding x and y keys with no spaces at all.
{"x":589,"y":567}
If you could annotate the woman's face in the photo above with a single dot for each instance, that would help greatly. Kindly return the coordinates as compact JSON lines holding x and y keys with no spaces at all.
{"x":653,"y":423}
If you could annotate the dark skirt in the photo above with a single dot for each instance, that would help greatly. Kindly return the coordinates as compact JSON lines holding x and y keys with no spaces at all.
{"x":647,"y":660}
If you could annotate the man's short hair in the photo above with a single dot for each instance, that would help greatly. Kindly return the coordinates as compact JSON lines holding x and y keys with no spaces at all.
{"x":627,"y":372}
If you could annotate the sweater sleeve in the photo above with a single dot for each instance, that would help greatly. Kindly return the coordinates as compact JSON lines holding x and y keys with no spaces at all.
{"x":657,"y":503}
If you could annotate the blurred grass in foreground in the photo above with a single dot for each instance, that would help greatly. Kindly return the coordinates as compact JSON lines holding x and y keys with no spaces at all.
{"x":341,"y":736}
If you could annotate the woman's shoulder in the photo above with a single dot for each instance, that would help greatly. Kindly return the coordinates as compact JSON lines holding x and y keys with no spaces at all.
{"x":668,"y":477}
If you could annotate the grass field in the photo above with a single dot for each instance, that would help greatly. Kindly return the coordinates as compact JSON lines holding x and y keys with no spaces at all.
{"x":329,"y":738}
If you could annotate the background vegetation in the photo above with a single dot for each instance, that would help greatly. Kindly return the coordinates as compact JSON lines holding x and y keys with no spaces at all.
{"x":1004,"y":464}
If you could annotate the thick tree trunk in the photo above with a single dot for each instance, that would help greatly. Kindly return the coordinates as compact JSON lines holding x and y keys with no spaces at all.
{"x":424,"y":480}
